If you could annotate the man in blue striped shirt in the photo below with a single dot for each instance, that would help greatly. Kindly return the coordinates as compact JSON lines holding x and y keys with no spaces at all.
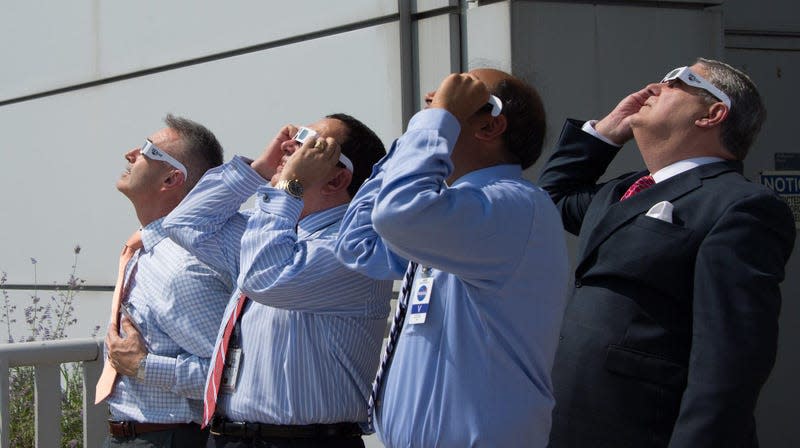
{"x":308,"y":340}
{"x":174,"y":302}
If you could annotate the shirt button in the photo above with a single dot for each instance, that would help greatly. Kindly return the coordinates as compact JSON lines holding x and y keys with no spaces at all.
{"x":265,"y":198}
{"x":578,"y":283}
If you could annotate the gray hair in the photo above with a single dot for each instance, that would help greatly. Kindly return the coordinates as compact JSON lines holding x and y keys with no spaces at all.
{"x":747,"y":112}
{"x":200,"y":149}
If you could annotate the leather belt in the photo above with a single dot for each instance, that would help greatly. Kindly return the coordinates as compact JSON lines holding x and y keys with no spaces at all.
{"x":221,"y":426}
{"x":131,"y":429}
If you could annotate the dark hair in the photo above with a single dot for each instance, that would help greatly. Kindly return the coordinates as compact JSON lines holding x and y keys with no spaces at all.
{"x":524,"y":112}
{"x":362,"y":146}
{"x":747,"y":112}
{"x":201,"y":151}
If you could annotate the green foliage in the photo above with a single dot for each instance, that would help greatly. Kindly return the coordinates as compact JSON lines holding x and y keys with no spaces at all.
{"x":72,"y":405}
{"x":20,"y":407}
{"x":45,"y":322}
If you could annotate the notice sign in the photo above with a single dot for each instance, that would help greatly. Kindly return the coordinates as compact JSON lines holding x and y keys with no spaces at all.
{"x":787,"y":185}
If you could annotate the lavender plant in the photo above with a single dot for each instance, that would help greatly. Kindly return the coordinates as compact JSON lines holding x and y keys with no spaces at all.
{"x":45,"y":321}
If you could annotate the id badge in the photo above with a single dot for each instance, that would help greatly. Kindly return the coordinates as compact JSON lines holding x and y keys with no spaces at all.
{"x":231,"y":371}
{"x":421,"y":297}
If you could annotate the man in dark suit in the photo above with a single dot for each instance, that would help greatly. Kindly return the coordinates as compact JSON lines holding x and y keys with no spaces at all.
{"x":672,"y":327}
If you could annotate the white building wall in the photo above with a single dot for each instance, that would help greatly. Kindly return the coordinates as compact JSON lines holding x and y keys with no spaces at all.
{"x":63,"y":152}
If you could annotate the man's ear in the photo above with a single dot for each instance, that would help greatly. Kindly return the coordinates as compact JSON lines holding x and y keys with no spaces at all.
{"x":173,"y":180}
{"x":493,"y":128}
{"x":340,"y":181}
{"x":717,"y":113}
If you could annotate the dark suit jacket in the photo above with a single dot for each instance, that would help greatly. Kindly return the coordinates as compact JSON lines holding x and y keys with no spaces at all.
{"x":672,"y":327}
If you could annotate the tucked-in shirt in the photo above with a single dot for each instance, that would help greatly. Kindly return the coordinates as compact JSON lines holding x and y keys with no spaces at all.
{"x":177,"y":304}
{"x":312,"y":332}
{"x":477,"y":371}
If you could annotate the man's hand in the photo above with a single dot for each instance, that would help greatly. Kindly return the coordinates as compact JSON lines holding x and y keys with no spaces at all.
{"x":616,"y":125}
{"x":461,"y":94}
{"x":312,"y":162}
{"x":267,"y":163}
{"x":126,"y":353}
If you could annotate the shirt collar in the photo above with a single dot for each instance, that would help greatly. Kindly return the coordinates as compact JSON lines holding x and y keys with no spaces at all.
{"x":320,"y":220}
{"x":152,"y":234}
{"x":681,"y":166}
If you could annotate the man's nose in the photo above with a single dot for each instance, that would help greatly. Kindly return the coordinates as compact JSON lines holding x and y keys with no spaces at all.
{"x":429,"y":97}
{"x":290,"y":146}
{"x":655,"y":88}
{"x":131,"y":155}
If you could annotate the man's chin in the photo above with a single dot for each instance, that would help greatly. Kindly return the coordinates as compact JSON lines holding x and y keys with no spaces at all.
{"x":636,"y":120}
{"x":122,"y":185}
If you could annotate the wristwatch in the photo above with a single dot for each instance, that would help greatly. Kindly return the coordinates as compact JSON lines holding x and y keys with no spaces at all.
{"x":141,"y":370}
{"x":292,"y":187}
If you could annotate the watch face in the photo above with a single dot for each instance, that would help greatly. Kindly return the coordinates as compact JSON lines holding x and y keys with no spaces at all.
{"x":295,"y":188}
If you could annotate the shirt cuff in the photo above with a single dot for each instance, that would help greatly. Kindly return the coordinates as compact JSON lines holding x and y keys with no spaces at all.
{"x":241,"y":178}
{"x":588,"y":127}
{"x":436,"y":119}
{"x":280,"y":203}
{"x":160,"y":371}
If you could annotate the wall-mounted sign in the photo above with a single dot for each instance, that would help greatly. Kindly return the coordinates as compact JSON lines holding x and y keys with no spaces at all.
{"x":787,"y":185}
{"x":787,"y":161}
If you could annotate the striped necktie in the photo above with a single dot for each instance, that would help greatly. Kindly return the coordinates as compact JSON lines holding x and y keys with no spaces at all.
{"x":394,"y":335}
{"x":641,"y":184}
{"x":212,"y":387}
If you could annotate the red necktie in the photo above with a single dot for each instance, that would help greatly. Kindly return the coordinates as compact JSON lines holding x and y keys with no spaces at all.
{"x":105,"y":385}
{"x":212,"y":387}
{"x":642,"y":183}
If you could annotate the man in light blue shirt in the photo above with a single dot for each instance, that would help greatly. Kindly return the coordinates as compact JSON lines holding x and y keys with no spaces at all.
{"x":309,"y":337}
{"x":474,"y":369}
{"x":174,"y":303}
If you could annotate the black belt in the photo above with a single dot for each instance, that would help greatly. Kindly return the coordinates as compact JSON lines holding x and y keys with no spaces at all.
{"x":132,"y":429}
{"x":223,"y":427}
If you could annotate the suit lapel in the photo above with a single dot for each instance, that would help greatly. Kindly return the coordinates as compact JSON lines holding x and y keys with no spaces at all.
{"x":616,"y":214}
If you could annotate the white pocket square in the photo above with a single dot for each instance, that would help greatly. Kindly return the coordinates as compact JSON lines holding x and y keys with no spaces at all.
{"x":662,"y":211}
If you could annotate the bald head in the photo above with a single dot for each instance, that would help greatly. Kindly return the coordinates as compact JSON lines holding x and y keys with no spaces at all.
{"x":489,"y":76}
{"x":523,"y":111}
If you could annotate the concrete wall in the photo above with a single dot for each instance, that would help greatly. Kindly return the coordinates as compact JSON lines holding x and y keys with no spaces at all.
{"x":63,"y":152}
{"x":763,"y":38}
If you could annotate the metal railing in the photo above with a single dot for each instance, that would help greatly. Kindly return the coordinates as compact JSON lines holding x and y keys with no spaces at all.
{"x":46,"y":358}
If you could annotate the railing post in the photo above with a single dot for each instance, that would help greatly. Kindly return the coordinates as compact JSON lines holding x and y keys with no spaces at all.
{"x":46,"y":357}
{"x":94,"y":416}
{"x":4,"y":397}
{"x":48,"y":405}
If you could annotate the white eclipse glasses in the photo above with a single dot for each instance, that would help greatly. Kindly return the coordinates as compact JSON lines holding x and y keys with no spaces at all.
{"x":494,"y":105}
{"x":153,"y":152}
{"x":497,"y":105}
{"x":691,"y":78}
{"x":304,"y":134}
